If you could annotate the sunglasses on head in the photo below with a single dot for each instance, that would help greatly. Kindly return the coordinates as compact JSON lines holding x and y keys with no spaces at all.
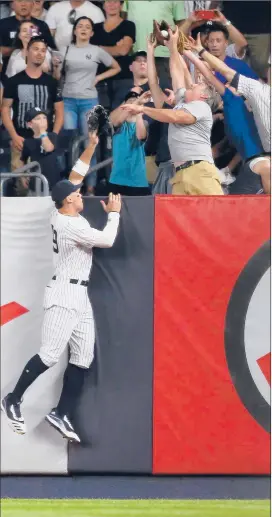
{"x":72,"y":16}
{"x":37,"y":38}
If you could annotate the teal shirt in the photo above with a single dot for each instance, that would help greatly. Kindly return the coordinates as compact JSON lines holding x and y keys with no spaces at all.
{"x":128,"y":153}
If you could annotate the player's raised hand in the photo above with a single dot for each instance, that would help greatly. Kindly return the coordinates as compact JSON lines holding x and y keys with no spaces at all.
{"x":93,"y":138}
{"x":114,"y":203}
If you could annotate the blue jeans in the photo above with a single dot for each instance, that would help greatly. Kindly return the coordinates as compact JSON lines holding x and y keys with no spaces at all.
{"x":75,"y":118}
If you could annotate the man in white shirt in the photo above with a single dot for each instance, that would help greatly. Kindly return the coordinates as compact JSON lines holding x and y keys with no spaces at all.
{"x":256,"y":92}
{"x":62,"y":15}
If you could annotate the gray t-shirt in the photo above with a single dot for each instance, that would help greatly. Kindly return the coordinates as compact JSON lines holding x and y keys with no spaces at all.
{"x":191,"y":142}
{"x":81,"y":65}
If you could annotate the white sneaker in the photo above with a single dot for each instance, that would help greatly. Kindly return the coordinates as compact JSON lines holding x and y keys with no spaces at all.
{"x":226,"y":178}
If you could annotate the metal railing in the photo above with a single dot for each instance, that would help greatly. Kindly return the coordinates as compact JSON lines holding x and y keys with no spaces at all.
{"x":40,"y":179}
{"x":99,"y":166}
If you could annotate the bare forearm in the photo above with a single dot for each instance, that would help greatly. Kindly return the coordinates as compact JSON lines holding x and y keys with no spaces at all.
{"x":85,"y":157}
{"x":187,"y":76}
{"x":155,"y":89}
{"x":109,"y":73}
{"x":205,"y":71}
{"x":58,"y":123}
{"x":8,"y":122}
{"x":237,"y":38}
{"x":176,"y":71}
{"x":234,"y":162}
{"x":141,"y":132}
{"x":116,"y":50}
{"x":218,"y":65}
{"x":47,"y":145}
{"x":186,"y":26}
{"x":161,"y":115}
{"x":56,"y":73}
{"x":118,"y":116}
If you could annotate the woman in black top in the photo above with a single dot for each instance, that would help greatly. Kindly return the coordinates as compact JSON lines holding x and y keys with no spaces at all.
{"x":116,"y":36}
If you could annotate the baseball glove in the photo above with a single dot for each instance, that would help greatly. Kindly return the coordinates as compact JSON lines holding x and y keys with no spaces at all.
{"x":98,"y":120}
{"x":159,"y":34}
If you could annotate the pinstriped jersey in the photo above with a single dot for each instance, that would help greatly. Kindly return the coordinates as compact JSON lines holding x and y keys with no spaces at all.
{"x":73,"y":240}
{"x":259,"y":98}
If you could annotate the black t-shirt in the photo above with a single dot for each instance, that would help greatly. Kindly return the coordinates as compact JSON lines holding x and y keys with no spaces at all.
{"x":28,"y":93}
{"x":157,"y":142}
{"x":248,"y":16}
{"x":49,"y":163}
{"x":8,"y":28}
{"x":110,"y":39}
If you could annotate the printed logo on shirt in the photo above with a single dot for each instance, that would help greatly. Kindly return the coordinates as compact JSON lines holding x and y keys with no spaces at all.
{"x":88,"y":56}
{"x":29,"y":96}
{"x":12,"y":34}
{"x":59,"y":93}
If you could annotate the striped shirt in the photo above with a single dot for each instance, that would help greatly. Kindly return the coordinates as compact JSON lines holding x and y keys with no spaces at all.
{"x":258,"y":94}
{"x":73,"y":240}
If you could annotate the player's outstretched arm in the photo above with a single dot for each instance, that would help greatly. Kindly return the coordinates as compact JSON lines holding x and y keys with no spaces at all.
{"x":215,"y":63}
{"x":85,"y":235}
{"x":82,"y":165}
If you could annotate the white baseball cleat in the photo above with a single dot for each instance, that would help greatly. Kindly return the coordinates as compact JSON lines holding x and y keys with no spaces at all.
{"x":63,"y":425}
{"x":12,"y":411}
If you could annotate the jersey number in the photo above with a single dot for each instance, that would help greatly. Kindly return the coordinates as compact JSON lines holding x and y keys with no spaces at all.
{"x":55,"y":240}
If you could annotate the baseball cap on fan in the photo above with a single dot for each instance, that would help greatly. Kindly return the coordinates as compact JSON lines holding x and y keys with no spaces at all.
{"x":62,"y":189}
{"x":139,"y":53}
{"x":33,"y":112}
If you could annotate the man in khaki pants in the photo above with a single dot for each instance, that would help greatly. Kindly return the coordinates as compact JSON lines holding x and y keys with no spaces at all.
{"x":189,"y":133}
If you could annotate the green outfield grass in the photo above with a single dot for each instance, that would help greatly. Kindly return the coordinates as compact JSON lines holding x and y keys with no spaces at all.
{"x":132,"y":508}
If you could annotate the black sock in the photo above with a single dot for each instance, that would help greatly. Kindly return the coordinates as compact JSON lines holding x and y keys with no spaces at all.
{"x":31,"y":371}
{"x":72,"y":386}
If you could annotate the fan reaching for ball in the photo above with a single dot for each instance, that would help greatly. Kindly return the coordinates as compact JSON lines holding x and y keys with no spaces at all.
{"x":161,"y":33}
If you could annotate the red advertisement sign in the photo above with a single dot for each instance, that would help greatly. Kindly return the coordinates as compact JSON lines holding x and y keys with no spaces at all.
{"x":211,"y":410}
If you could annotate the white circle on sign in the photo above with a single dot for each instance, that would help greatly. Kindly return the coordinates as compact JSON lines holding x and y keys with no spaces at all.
{"x":257,"y":333}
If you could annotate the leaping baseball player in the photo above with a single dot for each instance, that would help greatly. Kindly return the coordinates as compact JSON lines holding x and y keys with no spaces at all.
{"x":68,"y":316}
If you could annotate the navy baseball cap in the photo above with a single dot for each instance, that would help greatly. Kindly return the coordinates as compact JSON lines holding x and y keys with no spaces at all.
{"x":138,"y":54}
{"x":32,"y":113}
{"x":62,"y":189}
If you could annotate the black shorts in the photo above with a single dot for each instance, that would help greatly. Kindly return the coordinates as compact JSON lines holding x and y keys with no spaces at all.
{"x":129,"y":191}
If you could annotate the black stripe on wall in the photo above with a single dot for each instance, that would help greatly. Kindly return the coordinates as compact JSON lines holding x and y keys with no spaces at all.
{"x":114,"y":417}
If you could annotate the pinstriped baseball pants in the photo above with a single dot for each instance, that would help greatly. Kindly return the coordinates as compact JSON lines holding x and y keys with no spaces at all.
{"x":68,"y":325}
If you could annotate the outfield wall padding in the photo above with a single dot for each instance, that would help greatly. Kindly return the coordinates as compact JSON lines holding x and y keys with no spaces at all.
{"x":181,"y":379}
{"x":115,"y":413}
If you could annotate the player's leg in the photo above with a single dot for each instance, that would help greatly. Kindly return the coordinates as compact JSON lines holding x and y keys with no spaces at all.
{"x":10,"y":404}
{"x":82,"y":353}
{"x":57,"y":328}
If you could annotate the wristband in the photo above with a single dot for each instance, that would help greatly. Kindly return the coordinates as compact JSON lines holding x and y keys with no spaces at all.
{"x":228,"y":22}
{"x":81,"y":168}
{"x":201,"y":51}
{"x":43,"y":135}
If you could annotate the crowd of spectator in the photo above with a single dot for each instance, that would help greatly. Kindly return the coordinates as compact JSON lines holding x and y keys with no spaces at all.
{"x":190,"y":123}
